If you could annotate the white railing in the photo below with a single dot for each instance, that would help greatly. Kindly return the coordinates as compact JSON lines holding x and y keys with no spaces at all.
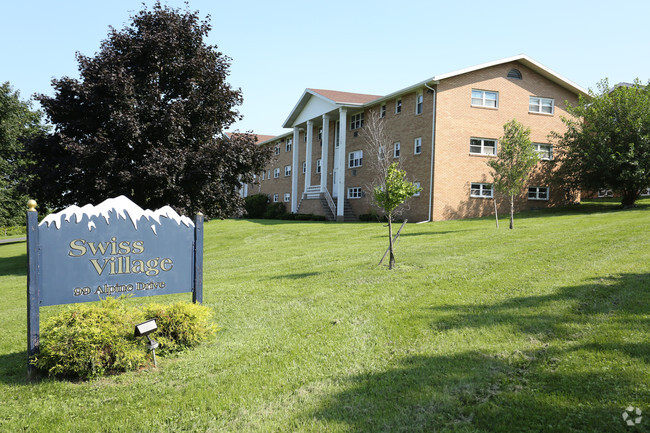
{"x":330,"y":202}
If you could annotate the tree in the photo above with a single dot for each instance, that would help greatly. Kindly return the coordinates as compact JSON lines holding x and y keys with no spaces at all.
{"x":146,"y":119}
{"x":390,"y":187}
{"x":17,"y":123}
{"x":607,"y":142}
{"x":515,"y":160}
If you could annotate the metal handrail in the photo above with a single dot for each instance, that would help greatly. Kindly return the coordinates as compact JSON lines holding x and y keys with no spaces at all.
{"x":330,"y":201}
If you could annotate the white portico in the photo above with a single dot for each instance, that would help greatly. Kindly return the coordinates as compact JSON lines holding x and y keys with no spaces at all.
{"x":325,"y":111}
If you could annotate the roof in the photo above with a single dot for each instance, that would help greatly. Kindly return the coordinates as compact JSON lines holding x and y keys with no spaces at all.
{"x":260,"y":137}
{"x":332,"y":99}
{"x":346,"y":98}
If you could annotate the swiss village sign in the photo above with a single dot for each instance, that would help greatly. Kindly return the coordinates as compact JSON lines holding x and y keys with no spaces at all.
{"x":84,"y":254}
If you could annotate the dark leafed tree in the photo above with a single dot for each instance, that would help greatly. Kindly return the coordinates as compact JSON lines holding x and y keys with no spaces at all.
{"x":607,"y":142}
{"x":390,"y":189}
{"x":18,"y":122}
{"x":146,"y":119}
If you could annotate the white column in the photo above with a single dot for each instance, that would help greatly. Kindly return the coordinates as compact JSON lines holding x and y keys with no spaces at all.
{"x":294,"y":171}
{"x":343,"y":157}
{"x":310,"y":136}
{"x":324,"y":152}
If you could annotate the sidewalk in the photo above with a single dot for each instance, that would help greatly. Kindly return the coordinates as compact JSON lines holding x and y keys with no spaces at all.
{"x":12,"y":240}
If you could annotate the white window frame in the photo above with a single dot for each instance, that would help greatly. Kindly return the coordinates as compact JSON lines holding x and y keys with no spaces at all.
{"x":398,"y":106}
{"x":479,"y":98}
{"x":602,"y":193}
{"x":417,"y":184}
{"x":304,"y":167}
{"x":319,"y":164}
{"x":397,"y":146}
{"x":481,"y":190}
{"x":540,"y":149}
{"x":263,"y":174}
{"x":276,"y":173}
{"x":417,"y":146}
{"x":287,"y":170}
{"x":355,"y":192}
{"x":287,"y":197}
{"x":356,"y":121}
{"x":355,"y":159}
{"x":277,"y":149}
{"x":288,"y":144}
{"x":536,"y":105}
{"x":419,"y":102}
{"x":536,"y":192}
{"x":483,"y":146}
{"x":382,"y":111}
{"x":276,"y":198}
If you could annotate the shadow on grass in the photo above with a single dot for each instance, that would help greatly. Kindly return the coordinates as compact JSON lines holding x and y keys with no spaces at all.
{"x":295,"y":276}
{"x":13,"y":368}
{"x":520,"y":391}
{"x":15,"y":265}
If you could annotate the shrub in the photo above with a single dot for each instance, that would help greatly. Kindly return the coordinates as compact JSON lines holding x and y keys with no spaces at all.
{"x":180,"y":325}
{"x":256,"y":205}
{"x":91,"y":340}
{"x":275,"y":210}
{"x":370,"y":216}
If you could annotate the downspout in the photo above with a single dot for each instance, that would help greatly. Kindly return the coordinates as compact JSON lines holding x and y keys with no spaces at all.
{"x":433,"y":147}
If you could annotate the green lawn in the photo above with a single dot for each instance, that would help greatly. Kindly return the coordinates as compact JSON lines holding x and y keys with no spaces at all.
{"x":544,"y":328}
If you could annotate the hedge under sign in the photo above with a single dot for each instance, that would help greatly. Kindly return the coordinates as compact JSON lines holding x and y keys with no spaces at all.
{"x":84,"y":254}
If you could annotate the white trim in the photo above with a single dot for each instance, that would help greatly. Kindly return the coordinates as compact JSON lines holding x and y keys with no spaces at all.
{"x":540,"y":105}
{"x":356,"y":191}
{"x":415,"y":145}
{"x":483,"y":140}
{"x":355,"y":157}
{"x":397,"y":149}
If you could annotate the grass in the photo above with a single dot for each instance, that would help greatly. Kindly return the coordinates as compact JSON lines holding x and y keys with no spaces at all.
{"x":544,"y":328}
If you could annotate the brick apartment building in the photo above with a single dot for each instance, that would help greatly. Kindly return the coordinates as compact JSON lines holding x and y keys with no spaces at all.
{"x":444,"y":129}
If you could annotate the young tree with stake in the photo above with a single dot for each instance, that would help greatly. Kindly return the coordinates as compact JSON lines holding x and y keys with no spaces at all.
{"x":515,"y":161}
{"x":390,"y":188}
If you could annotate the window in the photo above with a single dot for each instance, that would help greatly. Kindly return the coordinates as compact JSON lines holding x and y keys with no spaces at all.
{"x":419,"y":99}
{"x":540,"y":105}
{"x":514,"y":73}
{"x":356,"y":121}
{"x":269,"y":175}
{"x":287,"y":197}
{"x":544,"y":151}
{"x":275,"y":198}
{"x":287,"y":146}
{"x":355,"y":192}
{"x":277,"y":149}
{"x":484,"y":98}
{"x":417,"y":146}
{"x":398,"y":106}
{"x":318,"y":165}
{"x":605,"y":193}
{"x":320,"y":134}
{"x":483,"y":146}
{"x":287,"y":170}
{"x":263,"y":173}
{"x":396,"y":149}
{"x":538,"y":193}
{"x":417,"y":185}
{"x":355,"y":159}
{"x":276,"y":173}
{"x":481,"y":190}
{"x":304,"y":167}
{"x":382,"y":110}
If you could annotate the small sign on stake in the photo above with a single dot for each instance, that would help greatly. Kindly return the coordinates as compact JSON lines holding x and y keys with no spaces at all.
{"x":85,"y":254}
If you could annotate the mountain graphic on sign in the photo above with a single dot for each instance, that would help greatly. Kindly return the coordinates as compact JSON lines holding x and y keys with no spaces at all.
{"x":118,"y":208}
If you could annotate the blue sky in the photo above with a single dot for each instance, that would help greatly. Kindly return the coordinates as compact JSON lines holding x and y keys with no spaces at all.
{"x":279,"y":48}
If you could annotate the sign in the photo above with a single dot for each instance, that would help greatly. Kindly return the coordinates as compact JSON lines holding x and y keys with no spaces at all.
{"x":84,"y":254}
